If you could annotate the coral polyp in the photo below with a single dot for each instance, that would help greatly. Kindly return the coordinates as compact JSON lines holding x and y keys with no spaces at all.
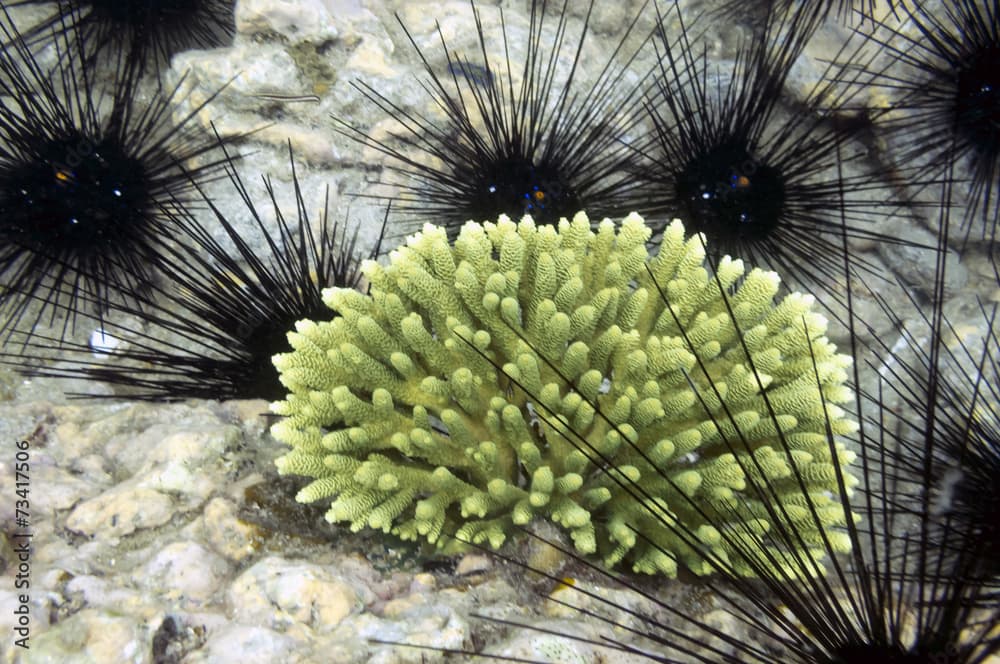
{"x":529,"y":372}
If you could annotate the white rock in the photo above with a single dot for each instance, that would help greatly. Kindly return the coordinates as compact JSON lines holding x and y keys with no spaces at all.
{"x":92,"y":468}
{"x":243,"y":644}
{"x":538,"y":647}
{"x":251,"y":68}
{"x":354,"y":19}
{"x":61,"y":491}
{"x":120,"y":511}
{"x":184,"y":570}
{"x":371,"y":58}
{"x":429,"y":625}
{"x":277,"y":592}
{"x":472,"y":563}
{"x":111,"y":594}
{"x":225,"y":531}
{"x":182,"y":463}
{"x":312,"y":145}
{"x":10,"y":601}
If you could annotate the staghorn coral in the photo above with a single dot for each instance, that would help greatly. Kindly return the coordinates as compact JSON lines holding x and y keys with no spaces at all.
{"x":533,"y":372}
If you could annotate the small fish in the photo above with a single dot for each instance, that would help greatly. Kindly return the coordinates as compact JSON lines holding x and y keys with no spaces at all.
{"x":287,"y":98}
{"x":475,"y":74}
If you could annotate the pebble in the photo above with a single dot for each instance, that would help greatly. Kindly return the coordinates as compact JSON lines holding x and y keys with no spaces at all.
{"x":62,"y":489}
{"x":472,"y":563}
{"x":181,"y":464}
{"x":438,"y":626}
{"x":113,"y":595}
{"x":225,"y":532}
{"x":296,"y":19}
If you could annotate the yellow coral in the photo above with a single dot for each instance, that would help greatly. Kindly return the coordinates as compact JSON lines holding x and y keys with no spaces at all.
{"x":489,"y":383}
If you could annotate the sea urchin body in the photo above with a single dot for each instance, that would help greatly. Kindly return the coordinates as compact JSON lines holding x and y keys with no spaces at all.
{"x":88,"y":179}
{"x":518,"y":138}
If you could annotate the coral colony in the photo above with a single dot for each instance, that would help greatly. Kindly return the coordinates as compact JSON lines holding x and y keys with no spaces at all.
{"x":648,"y":386}
{"x":467,"y":382}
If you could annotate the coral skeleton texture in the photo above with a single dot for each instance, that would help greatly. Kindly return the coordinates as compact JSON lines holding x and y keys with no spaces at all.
{"x":529,"y":372}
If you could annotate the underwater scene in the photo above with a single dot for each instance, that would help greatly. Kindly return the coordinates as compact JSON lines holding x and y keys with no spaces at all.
{"x":548,"y":331}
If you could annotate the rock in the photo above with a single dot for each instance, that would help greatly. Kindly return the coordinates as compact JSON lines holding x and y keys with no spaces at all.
{"x":472,"y":563}
{"x":276,"y":592}
{"x":312,"y":145}
{"x":112,"y":595}
{"x":90,"y":636}
{"x":182,"y":462}
{"x":371,"y":58}
{"x":120,"y":511}
{"x":225,"y":532}
{"x":914,"y":265}
{"x":423,"y":584}
{"x":434,"y":625}
{"x":183,"y":571}
{"x":62,"y":489}
{"x":244,"y":644}
{"x":536,"y":646}
{"x":10,"y":600}
{"x":291,"y":18}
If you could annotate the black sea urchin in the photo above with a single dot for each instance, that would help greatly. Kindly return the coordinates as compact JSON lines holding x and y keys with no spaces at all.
{"x":760,"y":183}
{"x":211,"y":330}
{"x":945,"y":90}
{"x":949,"y":380}
{"x":957,"y":389}
{"x":151,"y":31}
{"x":88,"y":180}
{"x":517,"y":138}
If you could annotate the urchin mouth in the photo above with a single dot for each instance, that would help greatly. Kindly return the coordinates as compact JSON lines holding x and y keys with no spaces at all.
{"x":730,"y":195}
{"x":516,"y":186}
